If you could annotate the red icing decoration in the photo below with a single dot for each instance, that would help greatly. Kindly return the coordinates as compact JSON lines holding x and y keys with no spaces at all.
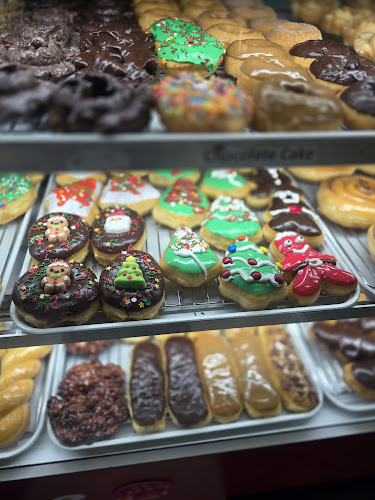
{"x":252,"y":262}
{"x":256,"y":275}
{"x":293,"y":209}
{"x":227,"y":260}
{"x":279,"y":279}
{"x":241,"y":238}
{"x":309,"y":277}
{"x":225,"y":274}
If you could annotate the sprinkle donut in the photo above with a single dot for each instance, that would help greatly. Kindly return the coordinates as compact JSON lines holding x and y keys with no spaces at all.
{"x":189,"y":103}
{"x":17,"y":194}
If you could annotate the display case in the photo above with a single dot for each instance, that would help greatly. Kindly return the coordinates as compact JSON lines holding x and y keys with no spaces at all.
{"x":219,"y":458}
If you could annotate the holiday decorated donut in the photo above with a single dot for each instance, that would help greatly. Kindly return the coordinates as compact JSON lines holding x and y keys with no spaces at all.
{"x":227,"y":219}
{"x":130,"y":190}
{"x":165,"y":177}
{"x":17,"y":194}
{"x":309,"y":272}
{"x":182,"y":204}
{"x":55,"y":293}
{"x":116,"y":229}
{"x":224,"y":181}
{"x":188,"y":260}
{"x":249,"y":277}
{"x":264,"y":183}
{"x":59,"y":235}
{"x":132,"y":287}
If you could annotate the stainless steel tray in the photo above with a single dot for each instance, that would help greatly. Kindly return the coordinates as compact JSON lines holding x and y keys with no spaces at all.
{"x":353,"y":244}
{"x":330,"y":372}
{"x":38,"y":403}
{"x":119,"y":353}
{"x":190,"y":309}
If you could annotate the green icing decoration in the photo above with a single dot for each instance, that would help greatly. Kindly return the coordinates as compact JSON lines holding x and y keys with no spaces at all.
{"x":187,"y":253}
{"x":163,"y":29}
{"x":223,"y":179}
{"x":184,"y":198}
{"x":195,"y":48}
{"x":130,"y":277}
{"x":247,"y":267}
{"x":229,"y":217}
{"x":12,"y":187}
{"x":176,"y":173}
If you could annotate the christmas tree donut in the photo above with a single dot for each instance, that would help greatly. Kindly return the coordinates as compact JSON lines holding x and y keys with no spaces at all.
{"x":227,"y":219}
{"x":165,"y":177}
{"x":224,"y":181}
{"x":55,"y":293}
{"x":182,"y":204}
{"x":249,"y":277}
{"x":59,"y":235}
{"x":114,"y":230}
{"x":132,"y":287}
{"x":188,"y":260}
{"x":17,"y":194}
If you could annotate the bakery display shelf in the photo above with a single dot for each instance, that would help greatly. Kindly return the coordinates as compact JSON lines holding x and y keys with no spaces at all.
{"x":187,"y":309}
{"x":329,"y":369}
{"x":119,"y":353}
{"x":12,"y":236}
{"x":38,"y":402}
{"x":353,"y":243}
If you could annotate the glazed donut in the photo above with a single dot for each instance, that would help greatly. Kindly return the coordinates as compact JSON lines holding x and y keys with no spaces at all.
{"x":284,"y":104}
{"x":190,"y":103}
{"x":150,"y":16}
{"x":250,"y":13}
{"x":358,"y":102}
{"x":116,"y":229}
{"x":320,"y":174}
{"x":306,"y":52}
{"x":371,"y":241}
{"x":260,"y":69}
{"x":59,"y":235}
{"x":348,"y":200}
{"x":132,"y":287}
{"x":163,"y":29}
{"x":211,"y":17}
{"x":338,"y":72}
{"x":356,"y":30}
{"x":17,"y":393}
{"x":289,"y":34}
{"x":98,"y":102}
{"x":14,"y":424}
{"x":264,"y":24}
{"x":312,"y":11}
{"x":227,"y":33}
{"x":364,"y":44}
{"x":195,"y":9}
{"x":17,"y":194}
{"x":142,"y":7}
{"x":238,"y":51}
{"x":21,"y":355}
{"x":367,"y":169}
{"x":201,"y":53}
{"x":46,"y":296}
{"x":334,"y":21}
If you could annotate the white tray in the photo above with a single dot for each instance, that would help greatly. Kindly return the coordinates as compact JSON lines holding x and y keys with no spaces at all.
{"x":119,"y":353}
{"x":38,"y":402}
{"x":190,"y":309}
{"x":330,"y":372}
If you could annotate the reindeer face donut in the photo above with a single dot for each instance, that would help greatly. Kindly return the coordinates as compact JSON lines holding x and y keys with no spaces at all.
{"x":55,"y":293}
{"x":59,"y":235}
{"x":309,"y":272}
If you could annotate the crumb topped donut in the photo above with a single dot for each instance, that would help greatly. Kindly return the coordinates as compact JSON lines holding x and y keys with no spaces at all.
{"x":189,"y":103}
{"x":132,"y":287}
{"x":55,"y":293}
{"x":59,"y":235}
{"x":289,"y":34}
{"x":116,"y":229}
{"x":229,"y":33}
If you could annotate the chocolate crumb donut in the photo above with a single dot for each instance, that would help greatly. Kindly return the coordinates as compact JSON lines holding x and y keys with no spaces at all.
{"x":21,"y":93}
{"x":97,"y":102}
{"x":358,"y":102}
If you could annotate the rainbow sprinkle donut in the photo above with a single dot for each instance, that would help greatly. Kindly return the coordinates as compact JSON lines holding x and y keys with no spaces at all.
{"x":190,"y":103}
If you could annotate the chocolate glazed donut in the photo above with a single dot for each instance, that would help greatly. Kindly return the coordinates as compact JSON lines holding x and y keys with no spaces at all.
{"x":343,"y":70}
{"x":359,"y":105}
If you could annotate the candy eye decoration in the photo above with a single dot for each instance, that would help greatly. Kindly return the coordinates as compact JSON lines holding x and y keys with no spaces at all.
{"x":62,"y":269}
{"x":288,"y":243}
{"x":51,"y":269}
{"x":300,"y":239}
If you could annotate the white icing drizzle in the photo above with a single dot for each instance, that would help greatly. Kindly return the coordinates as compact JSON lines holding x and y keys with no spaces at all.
{"x":244,"y":249}
{"x":228,"y":204}
{"x":275,"y":176}
{"x":287,"y":196}
{"x":188,"y":245}
{"x":227,"y":174}
{"x":284,"y":234}
{"x":261,"y":263}
{"x":302,"y":250}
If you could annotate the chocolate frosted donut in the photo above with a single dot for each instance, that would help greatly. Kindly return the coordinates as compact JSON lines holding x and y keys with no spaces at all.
{"x":359,"y":105}
{"x":97,"y":102}
{"x":56,"y":293}
{"x":21,"y":93}
{"x":116,"y":229}
{"x":303,"y":53}
{"x":132,"y":287}
{"x":59,"y":235}
{"x":337,"y":72}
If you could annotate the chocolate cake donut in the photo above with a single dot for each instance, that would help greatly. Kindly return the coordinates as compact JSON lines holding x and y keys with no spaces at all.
{"x":59,"y":235}
{"x":56,"y":293}
{"x":116,"y":229}
{"x":132,"y":287}
{"x":21,"y":93}
{"x":97,"y":102}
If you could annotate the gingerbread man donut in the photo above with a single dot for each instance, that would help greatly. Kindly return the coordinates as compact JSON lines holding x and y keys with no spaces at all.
{"x":309,"y":272}
{"x":57,"y":229}
{"x":57,"y":279}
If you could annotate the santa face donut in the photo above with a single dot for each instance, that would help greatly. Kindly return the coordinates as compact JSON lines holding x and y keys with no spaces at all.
{"x":309,"y":272}
{"x":132,"y":287}
{"x":116,"y":229}
{"x":59,"y":235}
{"x":55,"y":293}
